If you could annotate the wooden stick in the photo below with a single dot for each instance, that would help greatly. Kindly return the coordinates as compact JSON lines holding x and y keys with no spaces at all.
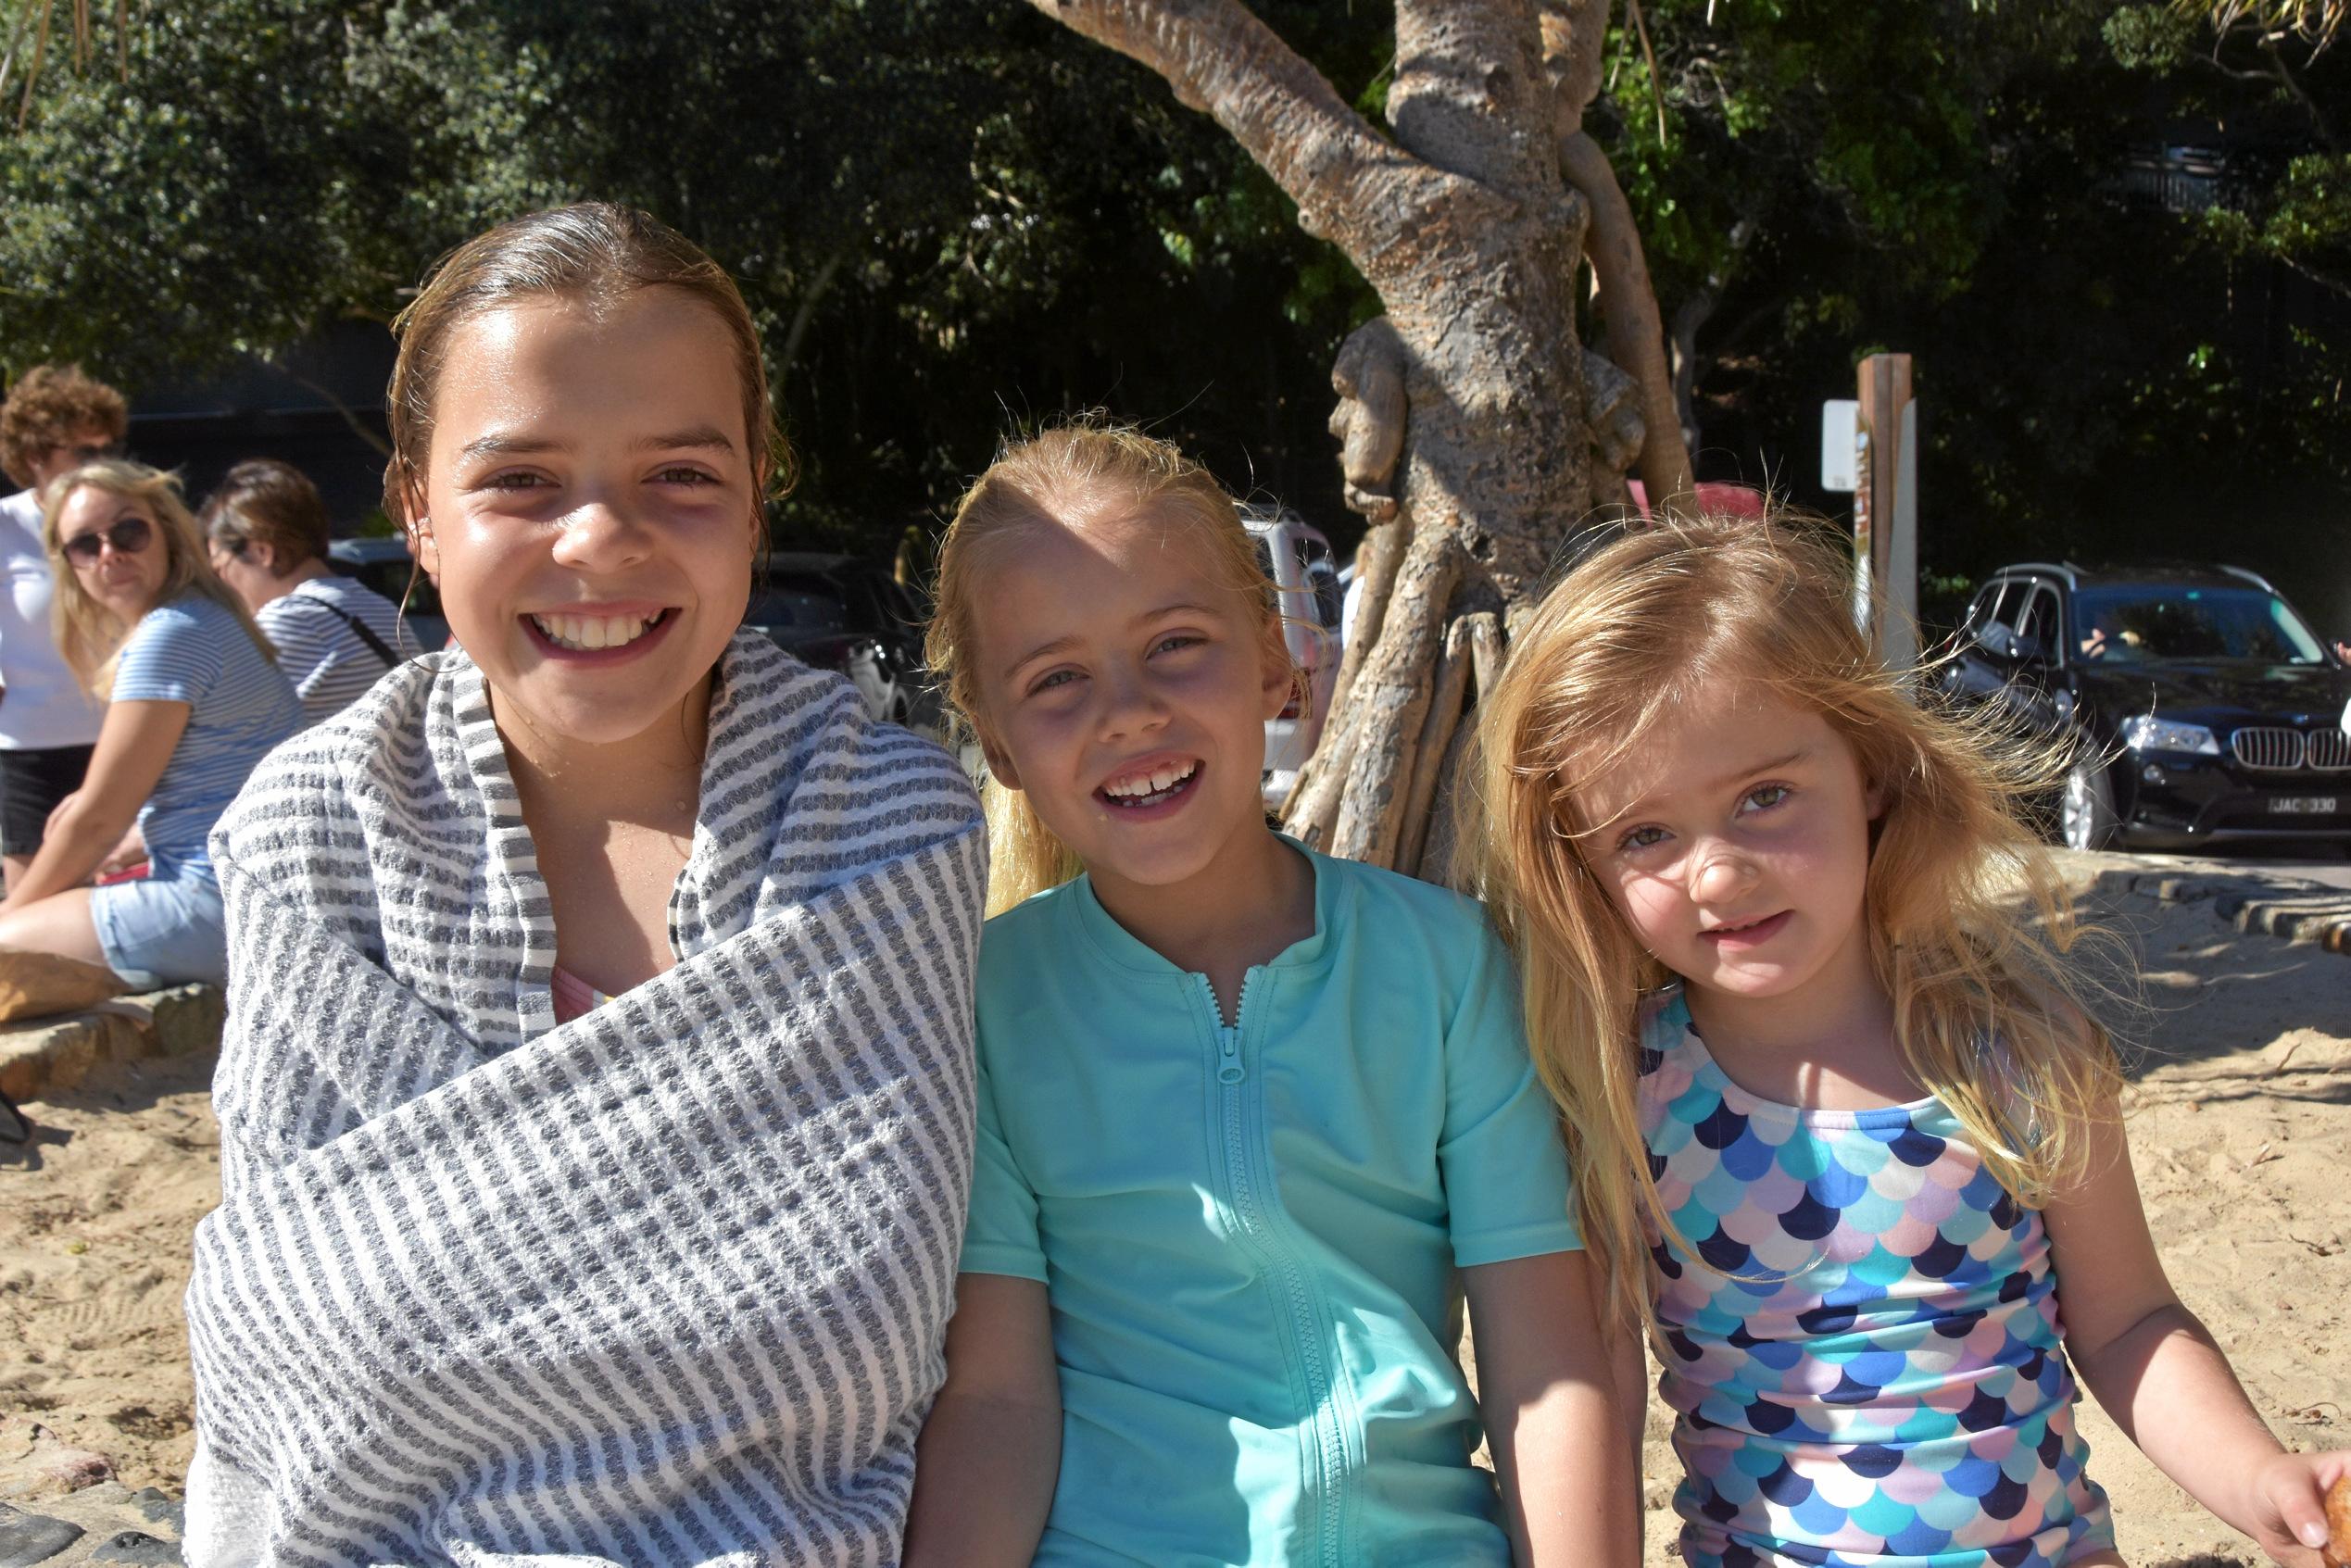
{"x":1375,"y":564}
{"x":1313,"y":813}
{"x":1310,"y":809}
{"x":1436,"y":734}
{"x":1437,"y":857}
{"x":1485,"y":650}
{"x":1394,"y":698}
{"x":32,"y":74}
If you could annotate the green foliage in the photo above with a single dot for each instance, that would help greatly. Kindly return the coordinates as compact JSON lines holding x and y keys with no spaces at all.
{"x":2098,"y":376}
{"x":952,"y":215}
{"x":958,"y":217}
{"x":227,"y":199}
{"x":2157,"y":38}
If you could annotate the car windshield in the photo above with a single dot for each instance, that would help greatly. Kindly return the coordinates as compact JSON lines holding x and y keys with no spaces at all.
{"x":2157,"y":621}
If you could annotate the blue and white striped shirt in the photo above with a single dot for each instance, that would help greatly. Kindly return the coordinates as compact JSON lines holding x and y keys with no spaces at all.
{"x":195,"y":651}
{"x":331,"y":665}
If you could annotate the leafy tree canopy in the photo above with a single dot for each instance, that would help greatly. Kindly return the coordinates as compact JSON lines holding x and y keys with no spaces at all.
{"x":951,"y":215}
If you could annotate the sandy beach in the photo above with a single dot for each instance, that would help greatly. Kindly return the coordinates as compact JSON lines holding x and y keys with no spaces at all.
{"x":2241,"y":1131}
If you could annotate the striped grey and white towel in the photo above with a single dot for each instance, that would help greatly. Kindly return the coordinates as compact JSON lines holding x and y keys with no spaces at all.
{"x":664,"y":1284}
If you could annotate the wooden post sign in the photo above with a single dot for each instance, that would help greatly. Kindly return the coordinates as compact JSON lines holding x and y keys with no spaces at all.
{"x":1885,"y":510}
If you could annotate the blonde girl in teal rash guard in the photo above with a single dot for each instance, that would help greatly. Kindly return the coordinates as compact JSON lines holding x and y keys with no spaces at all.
{"x":1251,"y":1117}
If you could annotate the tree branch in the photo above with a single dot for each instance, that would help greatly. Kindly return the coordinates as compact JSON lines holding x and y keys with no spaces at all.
{"x":1628,"y":310}
{"x":2319,"y":123}
{"x":805,"y":311}
{"x":358,"y":427}
{"x":2332,"y":283}
{"x":1352,"y":185}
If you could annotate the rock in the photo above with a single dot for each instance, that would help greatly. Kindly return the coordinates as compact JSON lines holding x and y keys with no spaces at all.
{"x":136,"y":1546}
{"x":187,"y":1018}
{"x":162,"y":1509}
{"x":35,"y":1463}
{"x":26,"y":1539}
{"x":55,"y":1054}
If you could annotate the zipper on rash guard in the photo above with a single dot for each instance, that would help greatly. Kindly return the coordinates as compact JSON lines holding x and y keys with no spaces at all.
{"x":1246,"y":1185}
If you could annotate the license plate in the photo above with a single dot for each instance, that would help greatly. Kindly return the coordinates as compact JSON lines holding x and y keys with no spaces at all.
{"x":2303,"y":805}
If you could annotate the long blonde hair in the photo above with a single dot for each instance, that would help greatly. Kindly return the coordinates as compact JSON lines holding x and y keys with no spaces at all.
{"x":1055,"y":477}
{"x":1955,"y":876}
{"x":90,"y":635}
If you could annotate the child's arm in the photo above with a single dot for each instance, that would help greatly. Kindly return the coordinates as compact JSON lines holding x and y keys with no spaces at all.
{"x":2158,"y":1373}
{"x":1547,"y":1385}
{"x":991,"y":1450}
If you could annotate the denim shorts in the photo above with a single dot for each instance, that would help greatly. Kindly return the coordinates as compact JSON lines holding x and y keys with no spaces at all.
{"x":163,"y":931}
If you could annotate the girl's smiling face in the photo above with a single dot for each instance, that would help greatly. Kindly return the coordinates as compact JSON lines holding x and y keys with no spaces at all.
{"x":1123,"y":686}
{"x":590,"y":511}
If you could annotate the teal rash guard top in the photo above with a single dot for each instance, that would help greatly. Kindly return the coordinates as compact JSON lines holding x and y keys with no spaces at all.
{"x":1250,"y":1231}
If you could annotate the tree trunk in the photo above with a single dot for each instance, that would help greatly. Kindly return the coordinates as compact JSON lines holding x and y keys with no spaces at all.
{"x":1466,"y":228}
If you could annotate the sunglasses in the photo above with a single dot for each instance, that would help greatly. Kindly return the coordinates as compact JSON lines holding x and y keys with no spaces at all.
{"x":128,"y":537}
{"x":89,"y":452}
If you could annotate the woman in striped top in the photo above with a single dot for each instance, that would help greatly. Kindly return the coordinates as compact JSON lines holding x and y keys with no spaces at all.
{"x":193,"y":700}
{"x":335,"y":638}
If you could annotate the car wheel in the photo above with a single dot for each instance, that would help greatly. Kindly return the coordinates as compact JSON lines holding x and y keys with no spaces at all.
{"x":2086,"y":819}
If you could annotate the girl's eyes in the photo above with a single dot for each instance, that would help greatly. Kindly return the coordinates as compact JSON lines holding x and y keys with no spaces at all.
{"x":525,"y":479}
{"x":1175,"y":642}
{"x":1763,"y":797}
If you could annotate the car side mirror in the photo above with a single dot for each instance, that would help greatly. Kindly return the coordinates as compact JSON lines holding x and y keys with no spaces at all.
{"x":2003,"y":643}
{"x":2026,"y":648}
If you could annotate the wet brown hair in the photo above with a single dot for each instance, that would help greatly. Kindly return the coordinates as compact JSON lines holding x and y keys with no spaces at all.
{"x":595,"y":254}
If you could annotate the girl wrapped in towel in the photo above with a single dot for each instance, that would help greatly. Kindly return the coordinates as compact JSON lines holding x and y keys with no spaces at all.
{"x":596,"y":1103}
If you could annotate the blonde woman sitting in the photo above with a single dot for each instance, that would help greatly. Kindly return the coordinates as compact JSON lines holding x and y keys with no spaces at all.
{"x":193,"y":700}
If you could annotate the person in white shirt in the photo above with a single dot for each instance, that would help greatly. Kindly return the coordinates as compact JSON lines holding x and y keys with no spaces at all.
{"x":55,"y":418}
{"x":268,"y":532}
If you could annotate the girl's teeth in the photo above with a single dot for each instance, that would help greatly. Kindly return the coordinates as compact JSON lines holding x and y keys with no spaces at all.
{"x":588,"y":633}
{"x":1157,"y":782}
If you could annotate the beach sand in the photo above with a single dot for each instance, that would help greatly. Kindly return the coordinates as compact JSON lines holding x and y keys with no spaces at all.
{"x":2241,"y":1131}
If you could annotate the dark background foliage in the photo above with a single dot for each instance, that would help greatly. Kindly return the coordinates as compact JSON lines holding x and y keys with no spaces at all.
{"x":2118,"y":246}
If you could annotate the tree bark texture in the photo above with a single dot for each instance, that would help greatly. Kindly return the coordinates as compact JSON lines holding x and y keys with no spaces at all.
{"x":1471,"y":233}
{"x":1392,"y":696}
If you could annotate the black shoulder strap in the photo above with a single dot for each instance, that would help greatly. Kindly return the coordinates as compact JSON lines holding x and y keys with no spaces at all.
{"x":383,"y":649}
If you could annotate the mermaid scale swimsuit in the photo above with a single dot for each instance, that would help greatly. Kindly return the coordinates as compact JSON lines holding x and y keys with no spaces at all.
{"x":1862,"y":1349}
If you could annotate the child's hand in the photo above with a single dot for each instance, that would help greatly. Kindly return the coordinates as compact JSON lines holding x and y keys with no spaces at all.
{"x":2290,"y":1506}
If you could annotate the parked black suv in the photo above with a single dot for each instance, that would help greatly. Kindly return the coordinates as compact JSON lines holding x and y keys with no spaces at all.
{"x":838,"y":612}
{"x":2210,"y":708}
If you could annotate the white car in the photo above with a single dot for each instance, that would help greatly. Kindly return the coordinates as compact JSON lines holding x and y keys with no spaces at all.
{"x":1297,"y":557}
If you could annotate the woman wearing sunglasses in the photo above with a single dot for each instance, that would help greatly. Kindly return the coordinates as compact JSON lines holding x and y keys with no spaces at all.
{"x":194,"y":700}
